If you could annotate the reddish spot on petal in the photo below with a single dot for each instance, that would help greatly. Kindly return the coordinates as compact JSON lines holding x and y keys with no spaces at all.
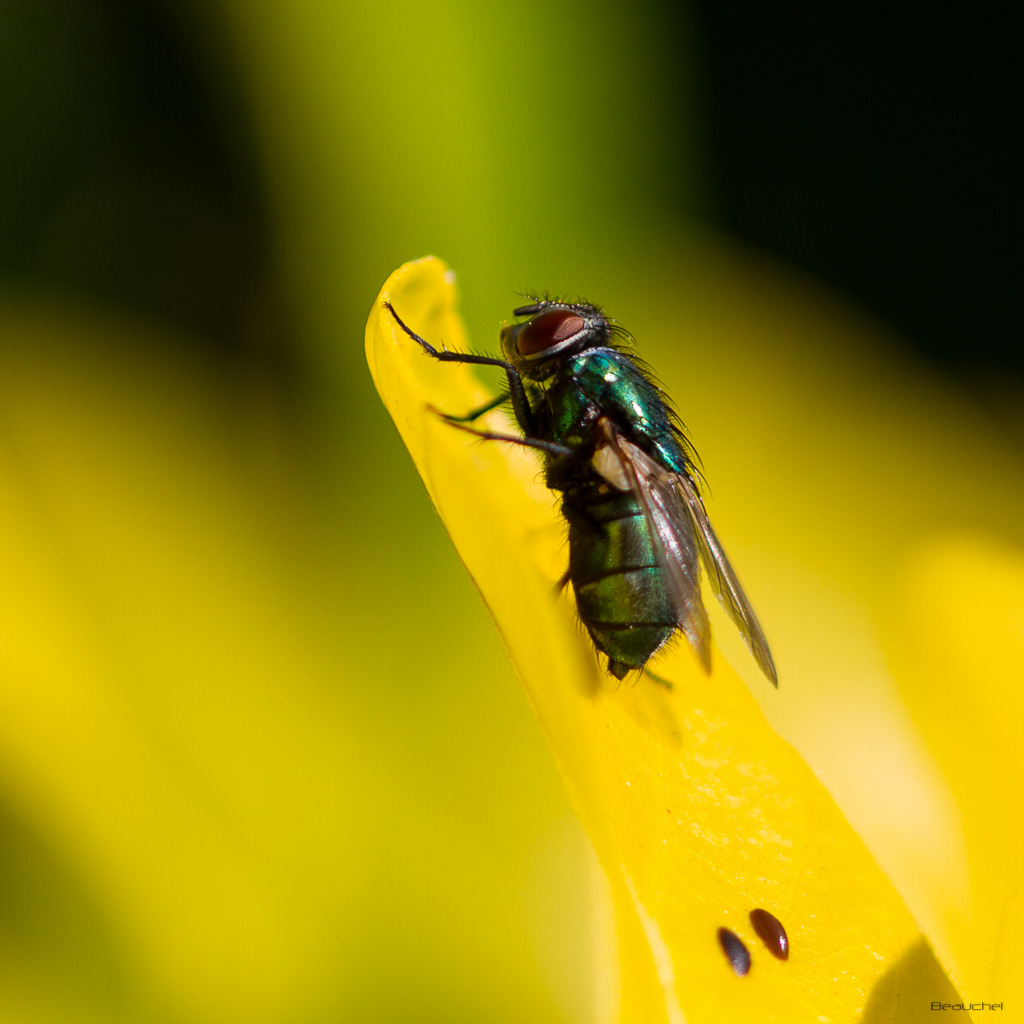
{"x":770,"y":931}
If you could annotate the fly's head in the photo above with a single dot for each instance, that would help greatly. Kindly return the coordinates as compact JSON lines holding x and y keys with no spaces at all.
{"x":554,"y":331}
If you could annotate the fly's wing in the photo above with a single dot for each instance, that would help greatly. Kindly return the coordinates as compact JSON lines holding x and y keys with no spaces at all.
{"x":676,"y":545}
{"x":724,"y":583}
{"x":683,"y":534}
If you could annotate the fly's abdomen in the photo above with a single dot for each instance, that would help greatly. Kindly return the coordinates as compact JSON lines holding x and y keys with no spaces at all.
{"x":620,"y":593}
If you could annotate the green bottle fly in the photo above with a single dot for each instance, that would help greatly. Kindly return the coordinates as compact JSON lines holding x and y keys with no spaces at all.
{"x":613,"y":447}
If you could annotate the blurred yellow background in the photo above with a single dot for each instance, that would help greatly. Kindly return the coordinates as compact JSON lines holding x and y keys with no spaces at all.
{"x":262,"y":757}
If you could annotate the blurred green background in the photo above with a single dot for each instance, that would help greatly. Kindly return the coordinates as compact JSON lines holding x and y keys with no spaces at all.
{"x":262,"y":757}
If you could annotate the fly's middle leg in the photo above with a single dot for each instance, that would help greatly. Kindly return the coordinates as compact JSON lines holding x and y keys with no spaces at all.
{"x":475,"y":414}
{"x":548,"y":447}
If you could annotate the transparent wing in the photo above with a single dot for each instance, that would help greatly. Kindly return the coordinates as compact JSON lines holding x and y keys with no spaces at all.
{"x":724,"y":583}
{"x":683,"y":532}
{"x":676,"y":545}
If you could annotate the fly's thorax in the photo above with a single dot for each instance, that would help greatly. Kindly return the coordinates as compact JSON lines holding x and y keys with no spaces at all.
{"x":609,"y":381}
{"x":569,"y":412}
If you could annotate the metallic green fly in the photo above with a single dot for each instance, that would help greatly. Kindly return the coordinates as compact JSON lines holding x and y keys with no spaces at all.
{"x":615,"y":449}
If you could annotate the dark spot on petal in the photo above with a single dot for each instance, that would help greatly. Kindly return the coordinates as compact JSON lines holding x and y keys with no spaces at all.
{"x":770,"y":931}
{"x":737,"y":954}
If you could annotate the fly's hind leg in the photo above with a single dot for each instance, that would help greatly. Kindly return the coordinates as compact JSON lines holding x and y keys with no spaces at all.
{"x":660,"y":680}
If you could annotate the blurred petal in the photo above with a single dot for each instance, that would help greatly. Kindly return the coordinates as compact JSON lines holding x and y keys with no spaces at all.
{"x":165,"y":724}
{"x":699,"y":813}
{"x":960,"y":663}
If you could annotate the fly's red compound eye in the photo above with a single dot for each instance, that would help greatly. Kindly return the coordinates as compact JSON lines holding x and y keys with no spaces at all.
{"x":548,"y":329}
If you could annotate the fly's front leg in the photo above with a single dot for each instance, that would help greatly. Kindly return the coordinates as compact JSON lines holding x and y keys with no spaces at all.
{"x":517,"y":393}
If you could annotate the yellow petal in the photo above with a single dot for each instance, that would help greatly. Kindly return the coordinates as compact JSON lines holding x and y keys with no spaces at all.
{"x":699,"y":813}
{"x":163,"y":735}
{"x":960,"y":662}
